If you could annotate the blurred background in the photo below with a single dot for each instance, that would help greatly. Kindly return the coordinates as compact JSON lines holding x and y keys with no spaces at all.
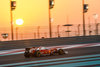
{"x":35,"y":17}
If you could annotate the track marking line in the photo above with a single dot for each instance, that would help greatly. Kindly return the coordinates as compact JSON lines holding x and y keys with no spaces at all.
{"x":57,"y":59}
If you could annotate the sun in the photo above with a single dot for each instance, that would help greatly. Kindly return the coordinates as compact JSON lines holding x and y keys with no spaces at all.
{"x":19,"y":21}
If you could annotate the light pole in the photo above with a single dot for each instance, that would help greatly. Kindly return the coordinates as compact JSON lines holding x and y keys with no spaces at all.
{"x":78,"y":29}
{"x":12,"y":7}
{"x":96,"y":24}
{"x":16,"y":33}
{"x":85,"y":9}
{"x":97,"y":28}
{"x":58,"y":30}
{"x":34,"y":35}
{"x":51,"y":5}
{"x":38,"y":31}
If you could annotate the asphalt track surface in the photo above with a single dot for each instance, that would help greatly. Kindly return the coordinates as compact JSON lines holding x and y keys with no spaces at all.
{"x":76,"y":57}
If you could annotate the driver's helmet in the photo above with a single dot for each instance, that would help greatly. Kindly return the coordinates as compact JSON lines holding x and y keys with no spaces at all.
{"x":38,"y":49}
{"x":42,"y":48}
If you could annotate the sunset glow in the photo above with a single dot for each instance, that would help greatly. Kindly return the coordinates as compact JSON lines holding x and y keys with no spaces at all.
{"x":35,"y":13}
{"x":19,"y":21}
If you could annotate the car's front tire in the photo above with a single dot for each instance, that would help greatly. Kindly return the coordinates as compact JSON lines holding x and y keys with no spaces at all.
{"x":27,"y":54}
{"x":61,"y":52}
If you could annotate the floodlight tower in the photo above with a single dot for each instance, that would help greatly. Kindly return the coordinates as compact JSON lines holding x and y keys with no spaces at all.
{"x":51,"y":5}
{"x":85,"y":9}
{"x":12,"y":7}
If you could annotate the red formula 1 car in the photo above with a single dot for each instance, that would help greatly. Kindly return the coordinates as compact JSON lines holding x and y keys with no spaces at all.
{"x":42,"y":51}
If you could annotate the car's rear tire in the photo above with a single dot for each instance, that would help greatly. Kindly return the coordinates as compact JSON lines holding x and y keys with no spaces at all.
{"x":27,"y":54}
{"x":37,"y":54}
{"x":61,"y":52}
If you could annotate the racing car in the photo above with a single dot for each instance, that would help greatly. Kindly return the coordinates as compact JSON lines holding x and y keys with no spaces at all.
{"x":42,"y":51}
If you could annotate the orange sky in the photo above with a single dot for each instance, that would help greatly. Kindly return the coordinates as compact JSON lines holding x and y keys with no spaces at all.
{"x":35,"y":12}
